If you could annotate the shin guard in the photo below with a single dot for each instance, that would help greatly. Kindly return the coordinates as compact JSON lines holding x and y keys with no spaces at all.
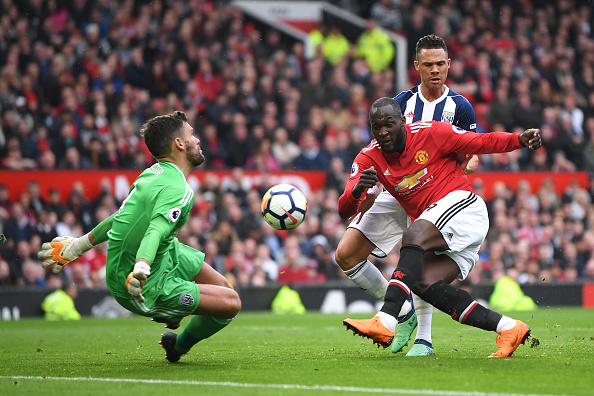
{"x":406,"y":274}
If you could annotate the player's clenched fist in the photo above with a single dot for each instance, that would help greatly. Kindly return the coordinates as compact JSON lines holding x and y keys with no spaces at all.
{"x":137,"y":279}
{"x":63,"y":250}
{"x":368,"y":179}
{"x":531,"y":138}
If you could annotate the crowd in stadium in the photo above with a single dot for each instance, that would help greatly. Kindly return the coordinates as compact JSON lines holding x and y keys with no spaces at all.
{"x":78,"y":79}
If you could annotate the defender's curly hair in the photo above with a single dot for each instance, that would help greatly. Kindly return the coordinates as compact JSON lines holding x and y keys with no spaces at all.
{"x":430,"y":41}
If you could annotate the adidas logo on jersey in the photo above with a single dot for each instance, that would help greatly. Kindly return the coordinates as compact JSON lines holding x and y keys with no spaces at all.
{"x":419,"y":125}
{"x":410,"y":114}
{"x":387,"y":173}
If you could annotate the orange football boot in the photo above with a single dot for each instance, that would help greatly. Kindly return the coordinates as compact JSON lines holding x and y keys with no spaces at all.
{"x":372,"y":329}
{"x":509,"y":340}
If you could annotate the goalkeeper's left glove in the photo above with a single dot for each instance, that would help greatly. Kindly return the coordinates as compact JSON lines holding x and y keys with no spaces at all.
{"x":137,"y":279}
{"x":63,"y":250}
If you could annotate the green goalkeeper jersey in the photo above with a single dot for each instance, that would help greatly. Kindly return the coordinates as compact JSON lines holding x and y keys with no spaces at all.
{"x":146,"y":224}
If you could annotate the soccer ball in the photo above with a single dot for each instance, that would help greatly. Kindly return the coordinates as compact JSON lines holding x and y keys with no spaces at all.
{"x":284,"y":207}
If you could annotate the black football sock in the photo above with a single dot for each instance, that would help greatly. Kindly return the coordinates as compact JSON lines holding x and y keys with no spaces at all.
{"x":460,"y":305}
{"x":406,"y":274}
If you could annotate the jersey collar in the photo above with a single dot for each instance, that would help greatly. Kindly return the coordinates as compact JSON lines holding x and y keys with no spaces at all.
{"x":442,"y":97}
{"x":174,"y":166}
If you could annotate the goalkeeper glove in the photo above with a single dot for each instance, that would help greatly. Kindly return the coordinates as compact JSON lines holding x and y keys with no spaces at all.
{"x":63,"y":250}
{"x":137,"y":279}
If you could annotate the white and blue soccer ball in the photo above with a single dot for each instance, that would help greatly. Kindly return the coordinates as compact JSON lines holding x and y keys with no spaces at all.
{"x":284,"y":207}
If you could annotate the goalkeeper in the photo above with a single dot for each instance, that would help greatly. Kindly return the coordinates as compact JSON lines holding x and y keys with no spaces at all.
{"x":149,"y":272}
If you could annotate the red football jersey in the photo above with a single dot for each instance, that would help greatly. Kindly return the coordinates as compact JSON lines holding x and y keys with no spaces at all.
{"x":427,"y":169}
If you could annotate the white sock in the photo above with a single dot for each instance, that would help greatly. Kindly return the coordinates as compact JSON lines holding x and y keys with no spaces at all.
{"x":387,"y":320}
{"x":505,"y":323}
{"x":406,"y":307}
{"x":424,"y":312}
{"x":369,"y":278}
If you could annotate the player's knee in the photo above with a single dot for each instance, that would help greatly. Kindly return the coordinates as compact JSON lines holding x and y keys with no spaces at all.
{"x":342,"y":259}
{"x":228,"y":306}
{"x":424,"y":234}
{"x":414,"y":236}
{"x":421,"y":287}
{"x":409,"y":237}
{"x":234,"y":304}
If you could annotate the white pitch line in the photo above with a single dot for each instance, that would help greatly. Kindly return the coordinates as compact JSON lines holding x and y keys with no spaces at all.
{"x":276,"y":386}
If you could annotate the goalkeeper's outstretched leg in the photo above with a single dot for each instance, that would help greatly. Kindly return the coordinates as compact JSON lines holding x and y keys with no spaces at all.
{"x":218,"y":304}
{"x":167,"y":342}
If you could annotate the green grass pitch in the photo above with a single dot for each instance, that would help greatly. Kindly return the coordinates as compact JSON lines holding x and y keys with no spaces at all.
{"x":310,"y":354}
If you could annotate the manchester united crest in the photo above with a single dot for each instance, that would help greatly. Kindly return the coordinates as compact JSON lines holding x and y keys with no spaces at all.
{"x":421,"y":157}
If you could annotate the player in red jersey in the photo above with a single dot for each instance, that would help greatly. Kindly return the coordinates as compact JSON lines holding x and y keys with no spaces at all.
{"x":377,"y":228}
{"x":417,"y":164}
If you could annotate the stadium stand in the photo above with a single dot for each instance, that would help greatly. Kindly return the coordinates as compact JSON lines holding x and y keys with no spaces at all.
{"x":77,"y":79}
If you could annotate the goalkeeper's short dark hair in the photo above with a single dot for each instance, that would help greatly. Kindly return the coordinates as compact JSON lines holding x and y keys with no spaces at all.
{"x":430,"y":41}
{"x":159,"y":132}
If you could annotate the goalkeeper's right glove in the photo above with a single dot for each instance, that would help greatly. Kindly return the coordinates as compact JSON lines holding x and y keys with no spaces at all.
{"x":63,"y":250}
{"x":137,"y":279}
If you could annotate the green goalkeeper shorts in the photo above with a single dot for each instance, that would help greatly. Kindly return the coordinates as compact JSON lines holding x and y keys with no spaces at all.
{"x":175,"y":295}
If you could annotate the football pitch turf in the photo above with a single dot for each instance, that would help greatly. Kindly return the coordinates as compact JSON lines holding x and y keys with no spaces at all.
{"x":311,"y":354}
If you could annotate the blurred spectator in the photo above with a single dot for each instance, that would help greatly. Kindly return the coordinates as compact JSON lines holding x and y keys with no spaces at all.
{"x":317,"y":37}
{"x":214,"y":148}
{"x":501,"y":108}
{"x":136,"y":71}
{"x":14,"y":158}
{"x":45,"y":228}
{"x":59,"y":305}
{"x":335,"y":47}
{"x":323,"y":254}
{"x":212,"y":256}
{"x":239,"y":143}
{"x":264,"y":261}
{"x":375,"y":46}
{"x":224,"y":235}
{"x":293,"y":265}
{"x":284,"y":150}
{"x":386,"y":15}
{"x":55,"y":203}
{"x":37,"y":203}
{"x":5,"y":274}
{"x":262,"y":158}
{"x":588,"y":148}
{"x":311,"y":157}
{"x":33,"y":274}
{"x":337,"y":177}
{"x":312,"y":89}
{"x":5,"y":202}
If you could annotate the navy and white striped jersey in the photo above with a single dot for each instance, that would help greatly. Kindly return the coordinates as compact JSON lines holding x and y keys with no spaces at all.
{"x":451,"y":107}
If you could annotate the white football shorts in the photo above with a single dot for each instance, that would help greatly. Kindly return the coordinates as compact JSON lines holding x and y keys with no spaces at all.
{"x":383,"y":224}
{"x":463,"y":220}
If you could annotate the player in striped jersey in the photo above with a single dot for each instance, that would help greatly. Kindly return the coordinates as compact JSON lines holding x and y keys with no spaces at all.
{"x":417,"y":165}
{"x":148,"y":271}
{"x":379,"y":228}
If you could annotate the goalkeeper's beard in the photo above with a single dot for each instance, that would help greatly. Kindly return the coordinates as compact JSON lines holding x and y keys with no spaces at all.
{"x":195,"y":157}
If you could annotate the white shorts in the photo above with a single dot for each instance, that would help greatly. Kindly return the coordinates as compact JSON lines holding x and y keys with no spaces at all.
{"x":383,"y":224}
{"x":462,"y":219}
